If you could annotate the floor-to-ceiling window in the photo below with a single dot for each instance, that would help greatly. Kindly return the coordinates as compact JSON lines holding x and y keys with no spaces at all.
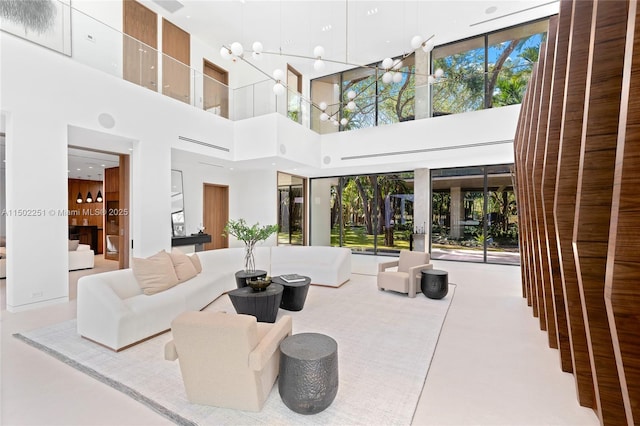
{"x":370,"y":214}
{"x":291,"y":209}
{"x":474,"y":216}
{"x":485,"y":71}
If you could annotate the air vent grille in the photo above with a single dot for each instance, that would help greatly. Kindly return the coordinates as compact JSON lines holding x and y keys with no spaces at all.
{"x":186,"y":139}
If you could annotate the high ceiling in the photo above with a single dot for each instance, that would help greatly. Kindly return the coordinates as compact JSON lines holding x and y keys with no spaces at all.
{"x":353,"y":31}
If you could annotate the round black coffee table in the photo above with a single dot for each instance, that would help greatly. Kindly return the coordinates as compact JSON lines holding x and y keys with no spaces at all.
{"x":308,"y":379}
{"x":295,"y":293}
{"x":434,"y":283}
{"x":261,"y":304}
{"x":242,"y":276}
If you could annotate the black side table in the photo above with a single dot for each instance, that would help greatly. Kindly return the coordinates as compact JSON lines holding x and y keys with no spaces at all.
{"x":434,"y":283}
{"x":308,"y":379}
{"x":295,"y":294}
{"x":261,"y":304}
{"x":242,"y":276}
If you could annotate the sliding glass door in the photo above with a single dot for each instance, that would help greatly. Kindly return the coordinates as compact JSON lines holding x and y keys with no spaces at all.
{"x":291,"y":209}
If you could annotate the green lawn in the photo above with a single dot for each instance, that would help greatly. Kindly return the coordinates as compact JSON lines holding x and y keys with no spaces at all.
{"x":357,"y":237}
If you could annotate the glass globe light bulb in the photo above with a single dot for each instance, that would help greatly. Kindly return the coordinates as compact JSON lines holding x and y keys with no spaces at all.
{"x":318,"y":65}
{"x":416,"y":42}
{"x":224,"y":52}
{"x":351,"y":94}
{"x":256,"y":56}
{"x":387,"y":63}
{"x":439,"y":73}
{"x":351,"y":106}
{"x":397,"y":65}
{"x":431,"y":79}
{"x":278,"y":89}
{"x":324,"y":116}
{"x":322,"y":106}
{"x":318,"y":51}
{"x":257,"y":47}
{"x":344,"y":121}
{"x":387,"y":77}
{"x":278,"y":74}
{"x":236,"y":48}
{"x":397,"y":77}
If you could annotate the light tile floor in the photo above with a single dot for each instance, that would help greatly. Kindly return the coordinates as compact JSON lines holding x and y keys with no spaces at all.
{"x":492,"y":365}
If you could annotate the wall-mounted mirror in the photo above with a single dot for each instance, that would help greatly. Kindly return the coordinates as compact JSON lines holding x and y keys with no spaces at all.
{"x":177,"y":205}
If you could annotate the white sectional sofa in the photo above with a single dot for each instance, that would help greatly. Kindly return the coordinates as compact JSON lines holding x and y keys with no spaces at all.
{"x":113,"y":310}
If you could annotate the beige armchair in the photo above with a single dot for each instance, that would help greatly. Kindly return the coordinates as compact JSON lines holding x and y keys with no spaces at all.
{"x":227,"y":360}
{"x":405,"y":279}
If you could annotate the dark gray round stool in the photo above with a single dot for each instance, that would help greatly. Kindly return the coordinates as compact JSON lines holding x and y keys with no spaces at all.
{"x":308,"y":380}
{"x":434,"y":283}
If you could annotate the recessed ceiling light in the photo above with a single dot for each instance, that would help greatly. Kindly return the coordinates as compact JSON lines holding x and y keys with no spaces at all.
{"x":78,"y":169}
{"x":102,"y":165}
{"x":91,"y":167}
{"x":490,"y":10}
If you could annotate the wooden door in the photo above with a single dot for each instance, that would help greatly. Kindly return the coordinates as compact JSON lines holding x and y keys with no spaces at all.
{"x":140,"y":43}
{"x":215,"y":214}
{"x":124,"y":211}
{"x":216,"y":90}
{"x":176,"y":46}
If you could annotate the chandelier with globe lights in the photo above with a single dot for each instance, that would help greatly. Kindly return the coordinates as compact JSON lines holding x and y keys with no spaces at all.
{"x":390,"y":69}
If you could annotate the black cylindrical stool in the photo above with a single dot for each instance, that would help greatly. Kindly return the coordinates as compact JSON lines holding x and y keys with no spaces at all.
{"x":434,"y":283}
{"x":308,"y":380}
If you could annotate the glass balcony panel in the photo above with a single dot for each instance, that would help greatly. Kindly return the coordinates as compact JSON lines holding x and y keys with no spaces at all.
{"x":96,"y":45}
{"x":215,"y":96}
{"x":176,"y":79}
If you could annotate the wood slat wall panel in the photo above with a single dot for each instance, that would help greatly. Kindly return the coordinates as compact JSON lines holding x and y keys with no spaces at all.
{"x":622,"y":290}
{"x":538,"y":183}
{"x":538,"y":271}
{"x":565,"y":196}
{"x":536,"y":78}
{"x":549,"y":174}
{"x":594,"y":196}
{"x":518,"y":144}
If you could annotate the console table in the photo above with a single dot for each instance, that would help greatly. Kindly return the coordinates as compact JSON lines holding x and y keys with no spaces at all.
{"x":197,"y":240}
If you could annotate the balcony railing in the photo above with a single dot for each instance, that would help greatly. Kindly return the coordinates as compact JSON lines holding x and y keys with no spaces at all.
{"x":103,"y":47}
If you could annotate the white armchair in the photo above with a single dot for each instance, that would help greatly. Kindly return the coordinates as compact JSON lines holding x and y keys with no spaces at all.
{"x":227,"y":360}
{"x":405,"y":278}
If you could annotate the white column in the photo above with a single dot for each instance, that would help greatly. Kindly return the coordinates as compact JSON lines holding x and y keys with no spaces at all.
{"x":422,"y":205}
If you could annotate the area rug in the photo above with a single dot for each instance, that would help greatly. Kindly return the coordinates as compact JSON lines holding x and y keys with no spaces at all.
{"x":385,"y":345}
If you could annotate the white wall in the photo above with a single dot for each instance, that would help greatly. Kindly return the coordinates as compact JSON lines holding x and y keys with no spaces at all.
{"x":446,"y":137}
{"x":39,"y":112}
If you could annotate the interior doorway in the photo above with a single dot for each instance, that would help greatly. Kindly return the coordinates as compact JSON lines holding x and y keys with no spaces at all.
{"x":98,"y":202}
{"x":215,"y":214}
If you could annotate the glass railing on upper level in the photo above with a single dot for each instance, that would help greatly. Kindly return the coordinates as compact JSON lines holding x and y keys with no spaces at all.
{"x":103,"y":47}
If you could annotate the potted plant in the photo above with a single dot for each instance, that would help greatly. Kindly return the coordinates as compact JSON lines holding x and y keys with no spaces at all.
{"x":250,"y":235}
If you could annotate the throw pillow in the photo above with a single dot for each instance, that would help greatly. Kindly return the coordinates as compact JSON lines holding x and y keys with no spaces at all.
{"x":73,"y":245}
{"x":183,"y":266}
{"x":155,"y":274}
{"x":196,"y":262}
